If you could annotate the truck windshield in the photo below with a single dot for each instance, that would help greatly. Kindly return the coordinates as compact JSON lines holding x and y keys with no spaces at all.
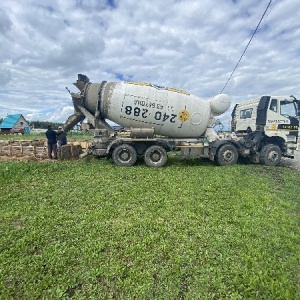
{"x":288,"y":108}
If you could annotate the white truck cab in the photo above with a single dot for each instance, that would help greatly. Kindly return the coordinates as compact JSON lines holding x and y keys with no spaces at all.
{"x":275,"y":118}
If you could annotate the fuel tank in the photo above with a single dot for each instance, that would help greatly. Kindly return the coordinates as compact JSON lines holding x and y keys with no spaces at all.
{"x":171,"y":112}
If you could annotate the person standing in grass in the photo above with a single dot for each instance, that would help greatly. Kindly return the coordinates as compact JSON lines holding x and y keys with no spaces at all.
{"x":52,"y":140}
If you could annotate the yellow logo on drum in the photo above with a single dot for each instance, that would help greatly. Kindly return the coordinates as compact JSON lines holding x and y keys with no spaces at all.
{"x":183,"y":115}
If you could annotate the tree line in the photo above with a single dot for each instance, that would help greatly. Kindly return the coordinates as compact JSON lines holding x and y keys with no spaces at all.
{"x":44,"y":125}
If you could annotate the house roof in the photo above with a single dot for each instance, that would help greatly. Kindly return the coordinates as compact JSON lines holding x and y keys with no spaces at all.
{"x":10,"y":121}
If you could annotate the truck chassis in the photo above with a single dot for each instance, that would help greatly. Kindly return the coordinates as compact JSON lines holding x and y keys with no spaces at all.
{"x":126,"y":150}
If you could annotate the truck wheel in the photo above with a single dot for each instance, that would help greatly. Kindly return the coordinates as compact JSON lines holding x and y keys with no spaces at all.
{"x":226,"y":155}
{"x":124,"y":155}
{"x":155,"y":156}
{"x":270,"y":155}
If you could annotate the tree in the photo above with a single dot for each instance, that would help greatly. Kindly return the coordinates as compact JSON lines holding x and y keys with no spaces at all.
{"x":44,"y":125}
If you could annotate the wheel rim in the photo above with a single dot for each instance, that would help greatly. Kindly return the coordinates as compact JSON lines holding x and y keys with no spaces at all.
{"x":124,"y":155}
{"x":228,"y":156}
{"x":155,"y":156}
{"x":273,"y":156}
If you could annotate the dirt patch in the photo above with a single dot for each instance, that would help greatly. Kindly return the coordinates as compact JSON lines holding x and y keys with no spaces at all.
{"x":292,"y":163}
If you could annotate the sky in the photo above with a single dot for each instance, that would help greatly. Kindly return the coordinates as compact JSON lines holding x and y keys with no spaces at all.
{"x":191,"y":45}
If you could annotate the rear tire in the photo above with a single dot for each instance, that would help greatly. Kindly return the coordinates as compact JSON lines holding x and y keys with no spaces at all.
{"x":270,"y":155}
{"x":155,"y":156}
{"x":226,"y":155}
{"x":124,"y":155}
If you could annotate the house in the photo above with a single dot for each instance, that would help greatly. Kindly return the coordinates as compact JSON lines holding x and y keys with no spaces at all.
{"x":14,"y":124}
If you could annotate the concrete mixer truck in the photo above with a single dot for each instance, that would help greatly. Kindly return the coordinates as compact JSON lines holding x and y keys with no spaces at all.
{"x":163,"y":119}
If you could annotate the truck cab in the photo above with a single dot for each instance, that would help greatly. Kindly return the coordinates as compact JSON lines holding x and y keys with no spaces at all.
{"x":275,"y":117}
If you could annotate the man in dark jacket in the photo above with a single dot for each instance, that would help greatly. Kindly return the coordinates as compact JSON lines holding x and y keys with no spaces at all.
{"x":52,"y":140}
{"x":62,"y":137}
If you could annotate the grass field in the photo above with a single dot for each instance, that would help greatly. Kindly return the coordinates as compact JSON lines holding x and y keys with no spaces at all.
{"x":87,"y":229}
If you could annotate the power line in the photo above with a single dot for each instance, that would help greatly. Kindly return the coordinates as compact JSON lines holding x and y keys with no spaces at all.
{"x":246,"y":46}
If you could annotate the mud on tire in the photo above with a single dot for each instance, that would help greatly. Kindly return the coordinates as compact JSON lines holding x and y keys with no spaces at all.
{"x":270,"y":155}
{"x":155,"y":156}
{"x":226,"y":155}
{"x":124,"y":155}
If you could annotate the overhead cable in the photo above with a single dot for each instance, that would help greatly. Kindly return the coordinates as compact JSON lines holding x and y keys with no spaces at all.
{"x":247,"y":46}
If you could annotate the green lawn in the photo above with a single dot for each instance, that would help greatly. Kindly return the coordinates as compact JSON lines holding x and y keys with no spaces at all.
{"x":88,"y":229}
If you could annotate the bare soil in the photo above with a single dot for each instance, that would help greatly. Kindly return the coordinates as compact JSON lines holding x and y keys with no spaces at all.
{"x":292,"y":163}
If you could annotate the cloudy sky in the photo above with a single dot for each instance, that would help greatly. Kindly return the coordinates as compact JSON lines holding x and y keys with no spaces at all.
{"x":186,"y":44}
